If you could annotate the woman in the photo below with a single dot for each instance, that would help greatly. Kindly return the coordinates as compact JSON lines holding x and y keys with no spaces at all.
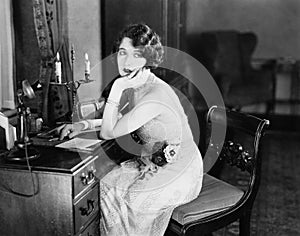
{"x":139,"y":196}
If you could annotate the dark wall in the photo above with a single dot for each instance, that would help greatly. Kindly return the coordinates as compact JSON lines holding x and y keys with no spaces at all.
{"x":276,"y":22}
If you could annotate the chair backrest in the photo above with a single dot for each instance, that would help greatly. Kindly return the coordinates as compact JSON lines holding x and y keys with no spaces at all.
{"x":225,"y":53}
{"x":248,"y":42}
{"x":241,"y":146}
{"x":228,"y":59}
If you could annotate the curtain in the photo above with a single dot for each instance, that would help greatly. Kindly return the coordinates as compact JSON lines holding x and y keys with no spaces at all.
{"x":6,"y":56}
{"x":52,"y":37}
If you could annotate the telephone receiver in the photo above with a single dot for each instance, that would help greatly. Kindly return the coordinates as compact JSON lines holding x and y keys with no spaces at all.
{"x":27,"y":89}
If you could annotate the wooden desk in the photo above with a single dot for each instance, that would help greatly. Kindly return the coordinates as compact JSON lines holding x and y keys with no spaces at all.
{"x":64,"y":199}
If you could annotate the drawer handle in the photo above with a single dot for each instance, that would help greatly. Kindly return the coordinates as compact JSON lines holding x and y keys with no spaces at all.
{"x":86,"y":211}
{"x":88,"y":178}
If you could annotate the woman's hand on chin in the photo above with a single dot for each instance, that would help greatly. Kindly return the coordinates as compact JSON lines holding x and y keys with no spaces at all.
{"x":135,"y":79}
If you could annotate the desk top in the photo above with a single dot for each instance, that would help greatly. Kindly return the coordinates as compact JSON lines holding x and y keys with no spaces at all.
{"x":56,"y":160}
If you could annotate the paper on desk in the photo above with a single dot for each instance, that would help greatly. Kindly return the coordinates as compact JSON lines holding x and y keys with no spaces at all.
{"x":80,"y":144}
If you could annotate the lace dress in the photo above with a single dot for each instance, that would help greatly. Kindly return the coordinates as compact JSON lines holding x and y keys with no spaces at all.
{"x":138,"y":197}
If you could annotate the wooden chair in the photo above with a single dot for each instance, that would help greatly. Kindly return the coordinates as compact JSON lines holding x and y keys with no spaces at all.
{"x":219,"y":202}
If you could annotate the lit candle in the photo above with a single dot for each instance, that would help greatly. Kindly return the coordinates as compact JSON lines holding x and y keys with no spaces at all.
{"x":87,"y":64}
{"x":58,"y":69}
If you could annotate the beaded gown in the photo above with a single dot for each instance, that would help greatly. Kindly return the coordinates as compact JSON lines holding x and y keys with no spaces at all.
{"x":138,"y":197}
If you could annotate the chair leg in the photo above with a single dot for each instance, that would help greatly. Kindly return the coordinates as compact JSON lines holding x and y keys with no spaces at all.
{"x":245,"y":224}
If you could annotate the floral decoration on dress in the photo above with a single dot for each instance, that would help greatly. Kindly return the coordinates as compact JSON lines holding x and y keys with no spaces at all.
{"x":167,"y":154}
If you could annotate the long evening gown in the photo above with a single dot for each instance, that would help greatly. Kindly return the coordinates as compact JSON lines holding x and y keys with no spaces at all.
{"x":139,"y":201}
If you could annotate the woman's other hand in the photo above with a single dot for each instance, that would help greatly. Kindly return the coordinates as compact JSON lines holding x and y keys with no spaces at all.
{"x":69,"y":130}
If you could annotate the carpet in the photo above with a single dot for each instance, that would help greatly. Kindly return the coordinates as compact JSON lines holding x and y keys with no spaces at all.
{"x":276,"y":210}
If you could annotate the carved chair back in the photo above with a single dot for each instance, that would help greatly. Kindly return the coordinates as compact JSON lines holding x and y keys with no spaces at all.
{"x":240,"y":148}
{"x":221,"y":200}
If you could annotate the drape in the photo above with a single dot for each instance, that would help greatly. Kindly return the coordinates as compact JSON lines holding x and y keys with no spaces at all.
{"x":6,"y":56}
{"x":52,"y":36}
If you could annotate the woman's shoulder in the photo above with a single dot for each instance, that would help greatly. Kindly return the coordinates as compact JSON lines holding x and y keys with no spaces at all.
{"x":160,"y":88}
{"x":157,"y":90}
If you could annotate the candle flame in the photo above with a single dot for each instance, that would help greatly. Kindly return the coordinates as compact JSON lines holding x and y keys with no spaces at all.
{"x":86,"y":56}
{"x":57,"y":56}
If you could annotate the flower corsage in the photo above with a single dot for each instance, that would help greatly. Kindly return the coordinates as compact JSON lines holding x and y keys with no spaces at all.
{"x":168,"y":153}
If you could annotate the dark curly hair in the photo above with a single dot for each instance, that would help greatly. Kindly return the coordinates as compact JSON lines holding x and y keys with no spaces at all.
{"x":143,"y":36}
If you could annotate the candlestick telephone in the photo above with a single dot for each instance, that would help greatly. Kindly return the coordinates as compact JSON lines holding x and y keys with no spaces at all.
{"x":23,"y":150}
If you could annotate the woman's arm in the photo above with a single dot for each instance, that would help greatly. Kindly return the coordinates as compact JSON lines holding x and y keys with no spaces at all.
{"x":111,"y":111}
{"x":91,"y":123}
{"x":147,"y":108}
{"x":71,"y":130}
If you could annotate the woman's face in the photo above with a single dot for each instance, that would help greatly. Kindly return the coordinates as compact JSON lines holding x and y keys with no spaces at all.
{"x":129,"y":58}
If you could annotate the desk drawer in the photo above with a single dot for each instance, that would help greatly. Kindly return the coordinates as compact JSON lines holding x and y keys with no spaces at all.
{"x":84,"y":178}
{"x":86,"y":208}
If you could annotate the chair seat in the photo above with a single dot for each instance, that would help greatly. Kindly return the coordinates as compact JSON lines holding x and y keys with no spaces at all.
{"x":215,"y":196}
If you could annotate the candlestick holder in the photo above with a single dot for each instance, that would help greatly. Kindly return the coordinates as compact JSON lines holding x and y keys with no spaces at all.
{"x":72,"y":87}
